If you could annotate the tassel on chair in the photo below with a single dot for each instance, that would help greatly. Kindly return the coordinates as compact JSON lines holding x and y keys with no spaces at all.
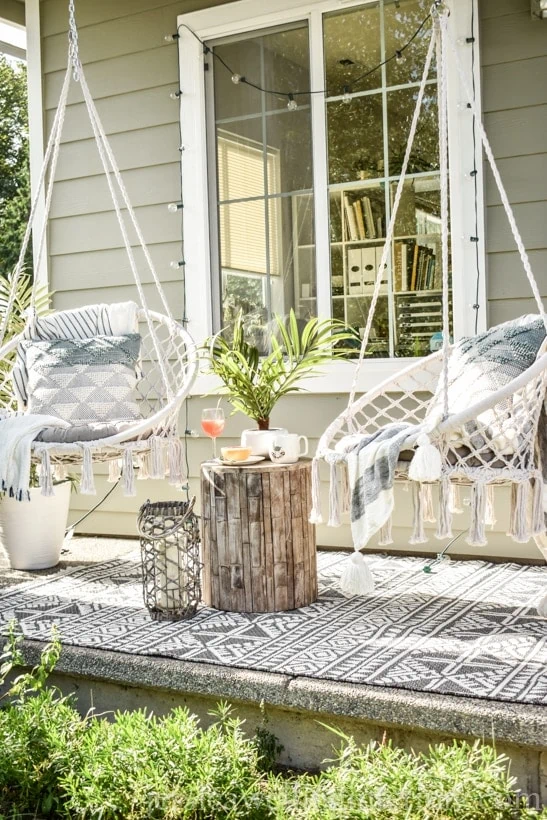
{"x":418,"y":534}
{"x":345,"y":487}
{"x":87,"y":479}
{"x":157,"y":457}
{"x":114,"y":471}
{"x":334,"y":497}
{"x":129,"y":488}
{"x":46,"y":475}
{"x":477,"y":530}
{"x":444,"y":527}
{"x":175,"y":456}
{"x":427,"y":503}
{"x":385,"y":538}
{"x":490,"y":510}
{"x":456,"y":500}
{"x":315,"y":515}
{"x":426,"y":464}
{"x":519,"y":531}
{"x":142,"y":464}
{"x":538,"y":515}
{"x":59,"y":471}
{"x":356,"y":578}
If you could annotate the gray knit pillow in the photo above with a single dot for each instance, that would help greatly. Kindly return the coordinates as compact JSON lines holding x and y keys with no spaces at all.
{"x":84,"y":380}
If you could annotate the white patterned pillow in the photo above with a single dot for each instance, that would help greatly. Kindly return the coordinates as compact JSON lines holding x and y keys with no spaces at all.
{"x":84,"y":380}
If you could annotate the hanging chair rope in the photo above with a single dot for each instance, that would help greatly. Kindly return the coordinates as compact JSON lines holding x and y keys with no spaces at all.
{"x":440,"y":16}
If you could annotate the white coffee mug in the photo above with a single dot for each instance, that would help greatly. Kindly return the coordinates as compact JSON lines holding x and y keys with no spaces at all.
{"x":286,"y":449}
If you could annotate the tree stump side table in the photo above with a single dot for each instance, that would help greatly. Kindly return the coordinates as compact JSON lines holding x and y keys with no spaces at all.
{"x":258,"y":546}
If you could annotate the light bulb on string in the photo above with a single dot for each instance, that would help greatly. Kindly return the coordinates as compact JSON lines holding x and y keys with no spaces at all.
{"x":170,"y":38}
{"x":346,"y":95}
{"x":399,"y":56}
{"x":237,"y":79}
{"x":175,"y":94}
{"x":292,"y":105}
{"x":173,"y":207}
{"x":177,"y":263}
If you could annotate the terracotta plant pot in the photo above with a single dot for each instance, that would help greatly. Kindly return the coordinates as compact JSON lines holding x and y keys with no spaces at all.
{"x":32,"y":532}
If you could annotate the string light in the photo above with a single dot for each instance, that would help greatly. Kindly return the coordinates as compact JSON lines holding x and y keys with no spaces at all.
{"x":346,"y":96}
{"x":175,"y":94}
{"x":173,"y":207}
{"x":176,"y":264}
{"x":292,"y":105}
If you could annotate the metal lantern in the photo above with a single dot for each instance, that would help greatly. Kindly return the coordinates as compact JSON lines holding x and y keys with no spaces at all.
{"x":171,"y":567}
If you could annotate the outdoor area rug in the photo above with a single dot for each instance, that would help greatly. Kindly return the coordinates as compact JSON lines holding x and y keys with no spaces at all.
{"x":468,"y":628}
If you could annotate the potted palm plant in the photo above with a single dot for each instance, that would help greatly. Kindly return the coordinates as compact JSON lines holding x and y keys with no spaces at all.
{"x":254,"y":384}
{"x":32,"y":532}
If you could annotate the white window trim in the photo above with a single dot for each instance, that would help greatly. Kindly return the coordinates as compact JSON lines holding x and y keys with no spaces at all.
{"x":248,"y":15}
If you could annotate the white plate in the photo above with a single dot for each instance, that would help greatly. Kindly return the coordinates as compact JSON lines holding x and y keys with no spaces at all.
{"x":246,"y":463}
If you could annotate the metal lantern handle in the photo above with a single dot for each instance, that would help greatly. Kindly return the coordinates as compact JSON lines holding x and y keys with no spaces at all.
{"x":145,"y":510}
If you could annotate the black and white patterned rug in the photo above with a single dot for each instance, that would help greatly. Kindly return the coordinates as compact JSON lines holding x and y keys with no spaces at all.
{"x":470,"y":628}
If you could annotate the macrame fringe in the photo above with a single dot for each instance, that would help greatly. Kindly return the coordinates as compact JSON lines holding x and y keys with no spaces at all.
{"x":477,"y":530}
{"x":386,"y":538}
{"x":315,"y":515}
{"x":426,"y":464}
{"x":356,"y":578}
{"x":129,"y":488}
{"x":346,"y":506}
{"x":59,"y":471}
{"x":175,"y":461}
{"x":114,"y":470}
{"x":334,"y":497}
{"x":456,"y":506}
{"x":156,"y":460}
{"x":538,"y":517}
{"x":519,"y":530}
{"x":142,"y":464}
{"x":490,"y":511}
{"x":418,"y":534}
{"x":444,"y":526}
{"x":46,"y":475}
{"x":87,"y":479}
{"x":427,"y":503}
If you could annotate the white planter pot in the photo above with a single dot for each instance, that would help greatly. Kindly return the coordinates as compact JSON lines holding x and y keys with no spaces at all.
{"x":260,"y":441}
{"x":32,"y":532}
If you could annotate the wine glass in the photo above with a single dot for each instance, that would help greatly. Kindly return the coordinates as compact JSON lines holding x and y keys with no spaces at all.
{"x":212,"y":424}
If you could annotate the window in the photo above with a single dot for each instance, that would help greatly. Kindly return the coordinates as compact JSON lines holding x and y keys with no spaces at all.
{"x":299,"y":195}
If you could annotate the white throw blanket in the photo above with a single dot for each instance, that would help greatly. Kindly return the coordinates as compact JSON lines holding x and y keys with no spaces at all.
{"x":16,"y":436}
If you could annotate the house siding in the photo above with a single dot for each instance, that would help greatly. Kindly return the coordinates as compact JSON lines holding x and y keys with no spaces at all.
{"x":131,"y":71}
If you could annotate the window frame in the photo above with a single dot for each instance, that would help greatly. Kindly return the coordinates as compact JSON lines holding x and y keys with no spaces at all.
{"x":203,"y":297}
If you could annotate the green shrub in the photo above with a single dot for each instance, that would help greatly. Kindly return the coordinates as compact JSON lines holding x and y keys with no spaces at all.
{"x":56,"y":764}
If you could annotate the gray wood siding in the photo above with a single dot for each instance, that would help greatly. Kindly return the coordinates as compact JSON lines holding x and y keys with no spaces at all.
{"x":131,"y":72}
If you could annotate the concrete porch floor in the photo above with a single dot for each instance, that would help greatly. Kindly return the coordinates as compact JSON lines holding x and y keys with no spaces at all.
{"x":296,"y":707}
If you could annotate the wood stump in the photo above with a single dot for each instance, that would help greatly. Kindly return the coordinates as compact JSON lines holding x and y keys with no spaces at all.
{"x":258,"y":546}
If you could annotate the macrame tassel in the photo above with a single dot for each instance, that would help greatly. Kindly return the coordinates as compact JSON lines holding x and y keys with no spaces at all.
{"x":114,"y":470}
{"x":175,"y":457}
{"x":444,"y":527}
{"x":427,"y":503}
{"x":334,"y":497}
{"x":315,"y":515}
{"x":345,"y":487}
{"x":46,"y":475}
{"x":426,"y":464}
{"x":519,"y":531}
{"x":356,"y":578}
{"x":385,"y":538}
{"x":456,"y":500}
{"x":129,"y":488}
{"x":59,"y":471}
{"x":490,"y":511}
{"x":418,"y":535}
{"x":538,"y":516}
{"x":156,"y":459}
{"x":477,"y":531}
{"x":87,"y":479}
{"x":142,"y":464}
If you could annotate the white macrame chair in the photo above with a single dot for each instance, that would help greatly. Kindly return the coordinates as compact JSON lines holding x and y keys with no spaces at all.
{"x":168,"y":354}
{"x":516,"y":408}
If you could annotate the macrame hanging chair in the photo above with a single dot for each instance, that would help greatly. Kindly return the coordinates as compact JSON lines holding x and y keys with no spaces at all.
{"x":494,"y":441}
{"x":168,"y":355}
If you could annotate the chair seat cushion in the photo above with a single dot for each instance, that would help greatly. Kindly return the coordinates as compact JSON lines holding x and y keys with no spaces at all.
{"x":84,"y":381}
{"x":79,"y":433}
